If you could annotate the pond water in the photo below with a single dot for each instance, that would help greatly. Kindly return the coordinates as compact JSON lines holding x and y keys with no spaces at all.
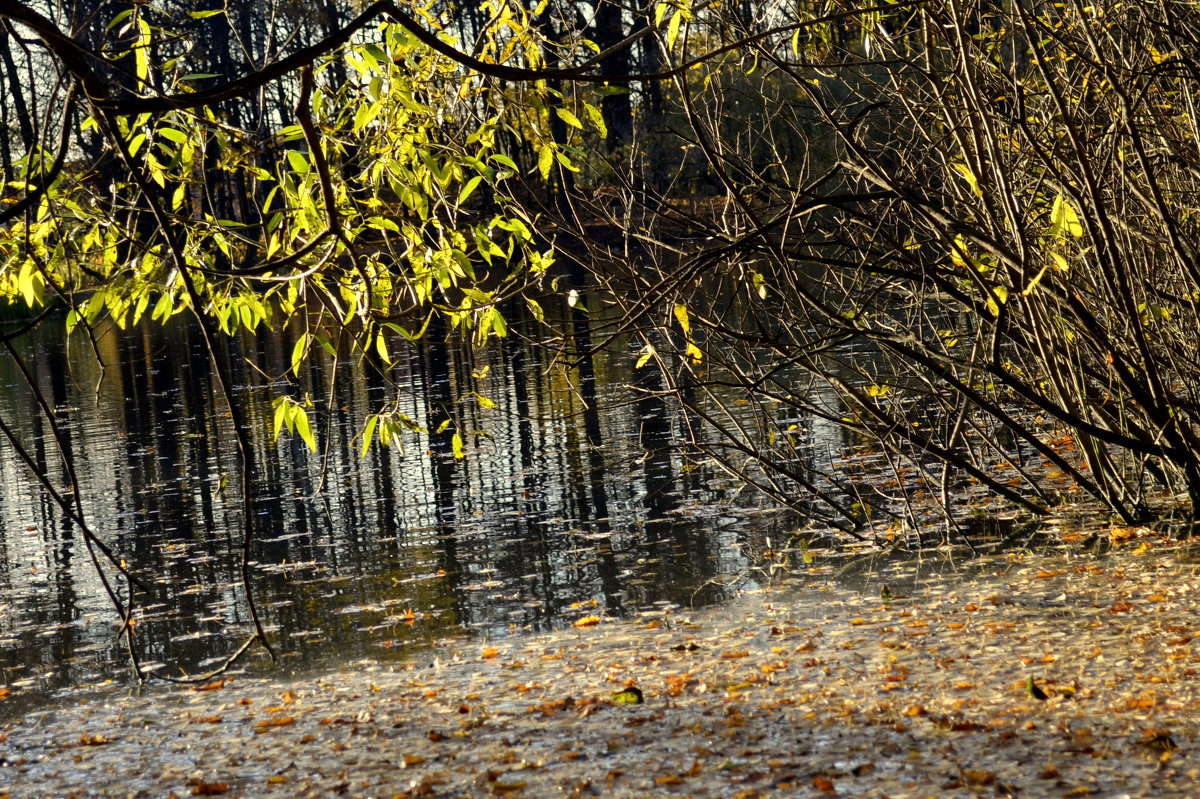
{"x":572,"y":500}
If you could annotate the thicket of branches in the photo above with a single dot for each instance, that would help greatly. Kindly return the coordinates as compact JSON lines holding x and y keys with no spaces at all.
{"x":966,"y":232}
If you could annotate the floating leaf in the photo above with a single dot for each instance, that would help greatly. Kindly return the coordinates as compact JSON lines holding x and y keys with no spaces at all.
{"x":629,"y":696}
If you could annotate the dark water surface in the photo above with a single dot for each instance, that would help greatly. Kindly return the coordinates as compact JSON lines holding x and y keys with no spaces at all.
{"x":562,"y":508}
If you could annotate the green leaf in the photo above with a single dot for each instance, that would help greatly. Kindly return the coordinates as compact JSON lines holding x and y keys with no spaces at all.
{"x":469,"y":188}
{"x":163,"y":308}
{"x":170,"y":134}
{"x":282,"y":407}
{"x":297,"y":162}
{"x":368,"y":435}
{"x":504,"y":160}
{"x":299,"y":351}
{"x":303,"y":428}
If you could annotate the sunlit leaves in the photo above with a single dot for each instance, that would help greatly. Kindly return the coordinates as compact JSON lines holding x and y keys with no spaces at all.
{"x":293,"y":416}
{"x":1064,"y":219}
{"x":969,"y":177}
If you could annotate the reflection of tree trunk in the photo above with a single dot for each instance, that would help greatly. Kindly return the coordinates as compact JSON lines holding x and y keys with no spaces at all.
{"x":435,"y":367}
{"x":595,"y":481}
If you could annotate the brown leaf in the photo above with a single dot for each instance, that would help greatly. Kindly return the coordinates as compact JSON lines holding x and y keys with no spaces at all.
{"x":202,"y":788}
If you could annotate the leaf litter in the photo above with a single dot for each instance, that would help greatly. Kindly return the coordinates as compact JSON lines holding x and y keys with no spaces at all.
{"x":1037,"y":677}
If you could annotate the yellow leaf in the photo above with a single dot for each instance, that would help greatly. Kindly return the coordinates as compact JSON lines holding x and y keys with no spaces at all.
{"x":1064,"y":219}
{"x":969,"y":176}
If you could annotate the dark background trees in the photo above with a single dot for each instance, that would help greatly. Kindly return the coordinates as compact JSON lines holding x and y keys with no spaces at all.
{"x":961,"y":231}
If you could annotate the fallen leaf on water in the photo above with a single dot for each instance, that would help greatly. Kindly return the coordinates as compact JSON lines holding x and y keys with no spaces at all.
{"x":215,"y":685}
{"x":587,"y":621}
{"x":267,"y":724}
{"x":489,"y":652}
{"x":824,"y":785}
{"x":629,"y":696}
{"x":202,"y":788}
{"x":93,"y":740}
{"x":975,"y":777}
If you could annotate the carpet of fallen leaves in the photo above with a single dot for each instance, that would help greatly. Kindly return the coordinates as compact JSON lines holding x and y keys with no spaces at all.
{"x":811,"y":691}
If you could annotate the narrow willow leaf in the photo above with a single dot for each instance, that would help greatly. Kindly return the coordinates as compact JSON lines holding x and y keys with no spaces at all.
{"x":647,"y":352}
{"x":468,"y":189}
{"x":681,"y":313}
{"x":673,"y":29}
{"x":299,"y":351}
{"x":969,"y":176}
{"x":368,"y":435}
{"x":486,"y":402}
{"x":1025,"y":292}
{"x":304,"y":429}
{"x":281,"y":413}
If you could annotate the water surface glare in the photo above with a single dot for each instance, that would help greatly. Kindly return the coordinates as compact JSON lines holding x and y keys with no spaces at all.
{"x":572,"y":501}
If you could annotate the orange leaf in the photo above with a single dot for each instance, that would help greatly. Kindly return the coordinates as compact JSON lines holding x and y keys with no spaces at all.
{"x":489,"y":652}
{"x":824,"y":784}
{"x":267,"y":724}
{"x":741,"y":653}
{"x":587,"y":621}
